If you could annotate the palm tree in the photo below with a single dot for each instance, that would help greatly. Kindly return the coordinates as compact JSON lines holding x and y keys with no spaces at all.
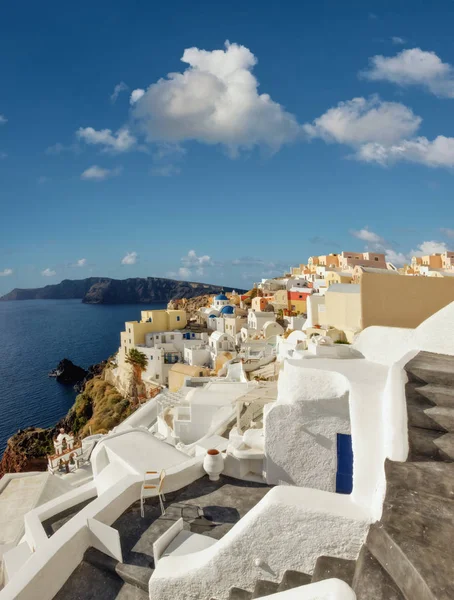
{"x":138,"y":362}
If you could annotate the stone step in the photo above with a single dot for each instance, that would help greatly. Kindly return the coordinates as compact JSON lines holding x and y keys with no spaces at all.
{"x":239,"y":594}
{"x":100,"y":560}
{"x":445,"y":445}
{"x":431,"y":368}
{"x":293,"y":579}
{"x":327,"y":567}
{"x":135,"y":575}
{"x":371,"y":581}
{"x":422,"y":444}
{"x":420,"y":572}
{"x":264,"y":588}
{"x":435,"y":478}
{"x":443,"y":416}
{"x":420,"y":516}
{"x":419,"y":415}
{"x":439,"y":395}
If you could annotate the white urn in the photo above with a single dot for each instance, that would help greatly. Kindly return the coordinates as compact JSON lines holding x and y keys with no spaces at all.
{"x":213,"y":464}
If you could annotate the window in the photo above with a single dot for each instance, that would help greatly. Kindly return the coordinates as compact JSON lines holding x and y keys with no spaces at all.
{"x":129,"y":329}
{"x":178,"y":318}
{"x":129,"y":340}
{"x":376,"y":258}
{"x":157,"y":376}
{"x":172,"y":337}
{"x":151,"y":358}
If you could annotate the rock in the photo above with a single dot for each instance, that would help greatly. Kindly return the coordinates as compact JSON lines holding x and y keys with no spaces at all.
{"x":68,"y":372}
{"x":26,"y":451}
{"x":93,"y":371}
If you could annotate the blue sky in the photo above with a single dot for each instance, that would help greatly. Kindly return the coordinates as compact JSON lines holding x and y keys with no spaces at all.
{"x":318,"y":127}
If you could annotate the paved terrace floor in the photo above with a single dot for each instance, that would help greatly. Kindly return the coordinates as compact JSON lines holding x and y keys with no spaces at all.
{"x":207,"y":507}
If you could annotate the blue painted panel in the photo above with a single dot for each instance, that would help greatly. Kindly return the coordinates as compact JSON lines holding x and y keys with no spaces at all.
{"x":344,"y":475}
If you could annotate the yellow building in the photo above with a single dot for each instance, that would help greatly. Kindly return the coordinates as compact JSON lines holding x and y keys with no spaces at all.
{"x":279,"y":299}
{"x":433,"y":261}
{"x":152,"y":321}
{"x":179,"y":372}
{"x":385,"y":299}
{"x":337,"y":277}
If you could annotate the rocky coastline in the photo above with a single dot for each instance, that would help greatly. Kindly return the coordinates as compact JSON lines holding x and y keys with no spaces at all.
{"x":97,"y":408}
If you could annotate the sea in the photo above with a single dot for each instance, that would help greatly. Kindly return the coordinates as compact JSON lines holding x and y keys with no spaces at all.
{"x":34,"y":336}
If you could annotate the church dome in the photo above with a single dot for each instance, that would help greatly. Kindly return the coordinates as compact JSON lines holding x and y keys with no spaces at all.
{"x":221,"y":297}
{"x":227,"y":310}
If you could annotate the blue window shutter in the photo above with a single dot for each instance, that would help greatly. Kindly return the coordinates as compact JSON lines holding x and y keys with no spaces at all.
{"x":344,"y":475}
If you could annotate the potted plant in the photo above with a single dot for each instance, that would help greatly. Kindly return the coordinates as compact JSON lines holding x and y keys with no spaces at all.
{"x":213,"y":464}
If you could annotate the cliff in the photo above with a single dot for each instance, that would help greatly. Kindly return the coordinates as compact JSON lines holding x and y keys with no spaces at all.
{"x":102,"y":290}
{"x":98,"y":408}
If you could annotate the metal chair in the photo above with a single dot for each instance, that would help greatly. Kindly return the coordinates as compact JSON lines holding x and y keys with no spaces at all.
{"x":149,"y":490}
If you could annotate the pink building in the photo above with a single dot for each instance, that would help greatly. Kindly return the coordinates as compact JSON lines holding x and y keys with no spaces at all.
{"x":349,"y":260}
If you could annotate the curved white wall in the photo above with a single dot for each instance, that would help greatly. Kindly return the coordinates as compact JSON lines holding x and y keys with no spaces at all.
{"x":288,"y":529}
{"x":301,"y":428}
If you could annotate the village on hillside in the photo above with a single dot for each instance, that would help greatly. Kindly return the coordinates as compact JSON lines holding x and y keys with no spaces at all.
{"x":278,"y":442}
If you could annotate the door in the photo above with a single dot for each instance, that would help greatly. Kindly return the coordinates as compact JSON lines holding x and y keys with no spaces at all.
{"x":344,"y":475}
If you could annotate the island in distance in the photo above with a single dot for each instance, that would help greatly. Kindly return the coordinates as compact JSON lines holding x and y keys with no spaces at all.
{"x":103,"y":290}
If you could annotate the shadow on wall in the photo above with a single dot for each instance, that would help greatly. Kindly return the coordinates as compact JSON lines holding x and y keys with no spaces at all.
{"x":301,"y":441}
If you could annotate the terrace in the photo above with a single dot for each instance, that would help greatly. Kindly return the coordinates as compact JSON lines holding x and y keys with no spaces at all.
{"x":209,"y":508}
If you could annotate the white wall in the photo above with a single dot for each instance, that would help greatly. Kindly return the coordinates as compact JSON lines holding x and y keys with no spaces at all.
{"x":288,"y":529}
{"x":197,"y":356}
{"x":300,"y":442}
{"x":313,"y":304}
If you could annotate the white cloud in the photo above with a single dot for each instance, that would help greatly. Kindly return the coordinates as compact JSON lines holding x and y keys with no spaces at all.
{"x":165,"y":170}
{"x":448,"y":232}
{"x":368,"y":236}
{"x":81,"y":262}
{"x":96,"y":173}
{"x":48,"y":272}
{"x":200,"y":271}
{"x":6,"y":272}
{"x":214,"y":101}
{"x":136,"y":95}
{"x":184,"y":272}
{"x":432,"y":153}
{"x":193,"y":260}
{"x":3,"y":120}
{"x":121,"y":141}
{"x":396,"y":258}
{"x":362,"y":120}
{"x":430,"y":247}
{"x":376,"y":243}
{"x":3,"y":155}
{"x":398,"y":41}
{"x":130,"y":258}
{"x":120,"y":87}
{"x":414,"y":67}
